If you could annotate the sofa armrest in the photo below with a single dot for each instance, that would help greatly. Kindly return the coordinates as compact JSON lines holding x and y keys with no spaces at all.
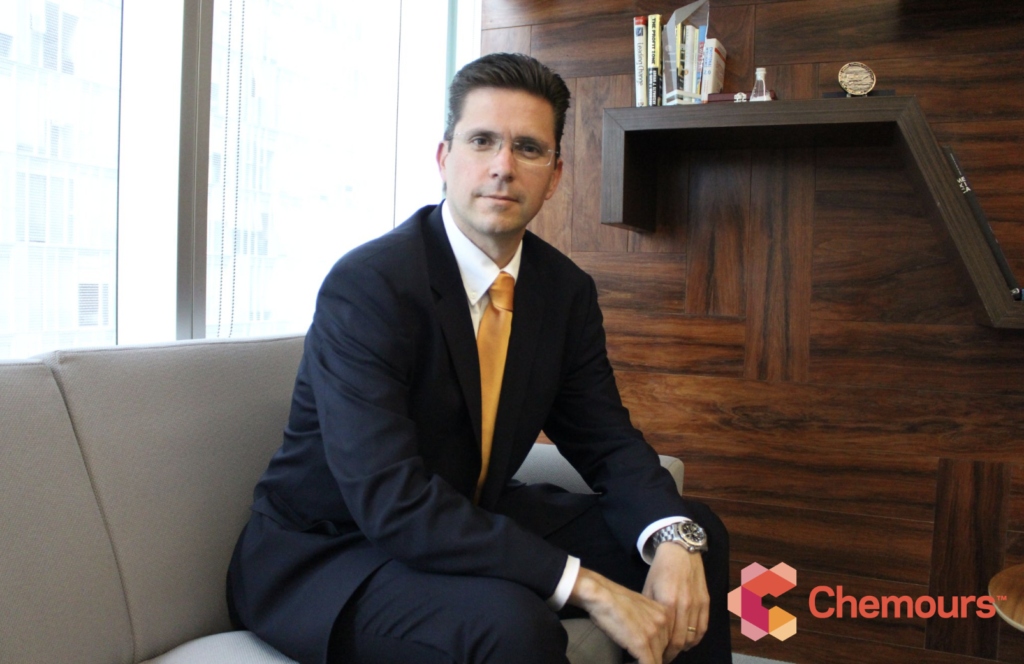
{"x":546,"y":464}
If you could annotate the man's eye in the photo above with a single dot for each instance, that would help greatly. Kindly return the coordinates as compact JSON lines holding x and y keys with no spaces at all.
{"x":481,"y":142}
{"x":529,"y":150}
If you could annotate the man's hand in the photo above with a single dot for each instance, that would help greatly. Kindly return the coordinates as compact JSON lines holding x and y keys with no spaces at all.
{"x":676,"y":581}
{"x":638,"y":624}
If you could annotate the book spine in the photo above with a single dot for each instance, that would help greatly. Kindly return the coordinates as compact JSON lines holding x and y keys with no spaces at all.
{"x":702,"y":34}
{"x":680,"y":59}
{"x":654,"y":60}
{"x":714,"y":75}
{"x":983,"y":223}
{"x":690,"y":35}
{"x":640,"y":58}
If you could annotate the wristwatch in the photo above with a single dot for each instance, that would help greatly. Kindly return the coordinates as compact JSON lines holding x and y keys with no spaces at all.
{"x":686,"y":533}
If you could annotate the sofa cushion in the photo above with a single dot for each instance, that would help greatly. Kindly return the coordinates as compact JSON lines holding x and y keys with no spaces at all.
{"x":60,"y":595}
{"x":226,"y":648}
{"x":175,"y":437}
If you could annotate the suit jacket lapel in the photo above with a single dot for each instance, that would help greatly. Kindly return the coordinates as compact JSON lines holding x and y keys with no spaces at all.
{"x":453,"y":314}
{"x":527,"y":320}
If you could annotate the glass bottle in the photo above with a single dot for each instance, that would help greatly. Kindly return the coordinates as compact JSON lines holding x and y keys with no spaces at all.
{"x":760,"y":92}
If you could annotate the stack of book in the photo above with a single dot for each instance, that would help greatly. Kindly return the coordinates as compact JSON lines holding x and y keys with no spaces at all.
{"x":684,"y":71}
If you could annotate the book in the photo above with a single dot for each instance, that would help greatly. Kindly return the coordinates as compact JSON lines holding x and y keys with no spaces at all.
{"x":640,"y":58}
{"x":680,"y":65}
{"x":983,"y":224}
{"x":654,"y":60}
{"x":690,"y":66}
{"x":702,"y":35}
{"x":713,"y":78}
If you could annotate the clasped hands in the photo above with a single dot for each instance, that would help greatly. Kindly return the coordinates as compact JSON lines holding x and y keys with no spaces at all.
{"x":653,"y":626}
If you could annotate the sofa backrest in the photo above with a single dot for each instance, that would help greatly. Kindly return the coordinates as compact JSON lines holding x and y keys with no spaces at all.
{"x":60,"y":594}
{"x":174,"y":438}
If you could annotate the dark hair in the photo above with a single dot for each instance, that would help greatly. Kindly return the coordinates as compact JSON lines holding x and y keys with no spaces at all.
{"x":509,"y":71}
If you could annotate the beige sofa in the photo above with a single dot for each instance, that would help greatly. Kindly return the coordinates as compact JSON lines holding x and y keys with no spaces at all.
{"x":125,"y":476}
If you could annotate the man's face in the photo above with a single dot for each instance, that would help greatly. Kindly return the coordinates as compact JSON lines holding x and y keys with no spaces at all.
{"x":495,"y":195}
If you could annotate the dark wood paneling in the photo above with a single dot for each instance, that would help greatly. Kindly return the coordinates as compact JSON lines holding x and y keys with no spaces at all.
{"x":877,"y":258}
{"x":1011,"y":240}
{"x":597,"y":47}
{"x":671,"y":207}
{"x":554,"y":222}
{"x":793,"y":81}
{"x":901,"y":631}
{"x":992,"y":157}
{"x":860,"y":420}
{"x":867,"y":30}
{"x":505,"y":40}
{"x":646,"y":282}
{"x":506,"y":13}
{"x":593,"y":95}
{"x":1016,"y":517}
{"x":888,"y":549}
{"x":971,"y":511}
{"x":734,"y":26}
{"x":673,"y":343}
{"x":1011,"y":644}
{"x":813,"y":647}
{"x":719,"y":212}
{"x":778,"y":265}
{"x":950,"y":88}
{"x":796,"y":474}
{"x":926,"y":357}
{"x":1014,"y":548}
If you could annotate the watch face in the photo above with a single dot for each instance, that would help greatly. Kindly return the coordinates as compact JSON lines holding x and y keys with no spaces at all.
{"x":856,"y":78}
{"x":692,"y":533}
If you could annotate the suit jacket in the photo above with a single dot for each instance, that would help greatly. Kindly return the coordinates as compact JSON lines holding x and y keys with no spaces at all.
{"x":381,"y":453}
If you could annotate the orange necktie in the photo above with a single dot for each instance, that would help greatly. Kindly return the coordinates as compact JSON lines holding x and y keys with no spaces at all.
{"x":492,"y":345}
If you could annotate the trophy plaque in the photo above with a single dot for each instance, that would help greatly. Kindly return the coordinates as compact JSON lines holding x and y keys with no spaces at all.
{"x":857,"y":79}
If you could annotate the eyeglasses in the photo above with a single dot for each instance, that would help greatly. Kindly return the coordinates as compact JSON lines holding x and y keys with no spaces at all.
{"x":486,"y":144}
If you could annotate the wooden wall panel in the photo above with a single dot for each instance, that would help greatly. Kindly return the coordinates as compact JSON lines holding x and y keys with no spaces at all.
{"x":972,"y":506}
{"x":901,"y":631}
{"x":506,"y":13}
{"x":671,"y":223}
{"x":1011,"y":644}
{"x":554,"y":221}
{"x":734,"y":26}
{"x":646,"y":282}
{"x":597,"y":47}
{"x":928,"y":357}
{"x":593,"y":95}
{"x":1016,"y":516}
{"x":992,"y":157}
{"x":988,"y":87}
{"x":887,"y":549}
{"x":858,"y":420}
{"x":793,"y":81}
{"x":718,"y":217}
{"x":804,"y":474}
{"x":866,"y":30}
{"x":672,"y":343}
{"x":778,"y":265}
{"x":505,"y":40}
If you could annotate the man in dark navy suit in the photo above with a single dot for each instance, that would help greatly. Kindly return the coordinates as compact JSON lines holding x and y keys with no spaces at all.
{"x":387,"y":526}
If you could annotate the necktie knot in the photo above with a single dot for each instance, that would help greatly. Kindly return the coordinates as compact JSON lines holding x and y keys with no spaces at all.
{"x":501,"y":291}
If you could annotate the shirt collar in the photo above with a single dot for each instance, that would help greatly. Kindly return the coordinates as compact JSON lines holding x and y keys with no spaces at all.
{"x":477,"y":269}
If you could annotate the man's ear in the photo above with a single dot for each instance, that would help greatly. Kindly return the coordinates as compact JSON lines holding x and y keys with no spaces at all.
{"x":556,"y":177}
{"x":442,"y":156}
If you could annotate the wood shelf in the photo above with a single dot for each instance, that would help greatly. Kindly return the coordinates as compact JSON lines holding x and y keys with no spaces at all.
{"x":636,"y":140}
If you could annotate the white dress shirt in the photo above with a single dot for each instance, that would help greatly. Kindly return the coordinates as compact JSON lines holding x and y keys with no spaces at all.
{"x":478,"y":273}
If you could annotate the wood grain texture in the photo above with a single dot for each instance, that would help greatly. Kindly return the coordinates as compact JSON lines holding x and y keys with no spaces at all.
{"x":867,"y":30}
{"x":792,"y":473}
{"x":901,"y":631}
{"x":958,"y":88}
{"x":1016,"y":517}
{"x":778,"y":265}
{"x":1011,"y":644}
{"x":507,"y":13}
{"x":505,"y":40}
{"x":887,"y":549}
{"x":645,"y":282}
{"x":925,"y":357}
{"x":814,"y":647}
{"x":862,"y":420}
{"x":593,"y":95}
{"x":554,"y":221}
{"x":970,"y":530}
{"x":992,"y":157}
{"x":734,"y":26}
{"x":793,"y":81}
{"x":596,"y":47}
{"x":718,"y":217}
{"x":672,"y":204}
{"x":1014,"y":548}
{"x":673,"y":343}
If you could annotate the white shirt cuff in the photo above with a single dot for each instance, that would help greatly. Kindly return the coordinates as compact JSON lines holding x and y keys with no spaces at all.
{"x":653,"y":528}
{"x":565,"y":585}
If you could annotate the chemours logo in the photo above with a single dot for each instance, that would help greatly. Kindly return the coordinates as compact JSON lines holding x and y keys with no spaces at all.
{"x":902,"y":606}
{"x":757,"y":621}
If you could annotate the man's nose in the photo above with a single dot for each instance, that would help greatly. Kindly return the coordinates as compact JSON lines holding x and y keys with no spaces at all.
{"x":503,"y":163}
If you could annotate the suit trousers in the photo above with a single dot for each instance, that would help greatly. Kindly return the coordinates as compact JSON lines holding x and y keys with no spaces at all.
{"x":403,"y":615}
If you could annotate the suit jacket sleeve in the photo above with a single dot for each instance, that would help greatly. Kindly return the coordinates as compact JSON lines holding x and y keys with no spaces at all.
{"x":362,"y":361}
{"x":592,"y":429}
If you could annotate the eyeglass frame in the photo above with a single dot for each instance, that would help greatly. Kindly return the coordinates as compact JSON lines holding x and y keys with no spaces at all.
{"x":552,"y":153}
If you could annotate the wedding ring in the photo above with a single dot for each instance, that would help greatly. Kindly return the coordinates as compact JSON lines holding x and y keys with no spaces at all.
{"x":691,"y":629}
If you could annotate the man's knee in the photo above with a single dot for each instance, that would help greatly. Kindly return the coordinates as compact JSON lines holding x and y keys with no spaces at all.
{"x":517,"y":626}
